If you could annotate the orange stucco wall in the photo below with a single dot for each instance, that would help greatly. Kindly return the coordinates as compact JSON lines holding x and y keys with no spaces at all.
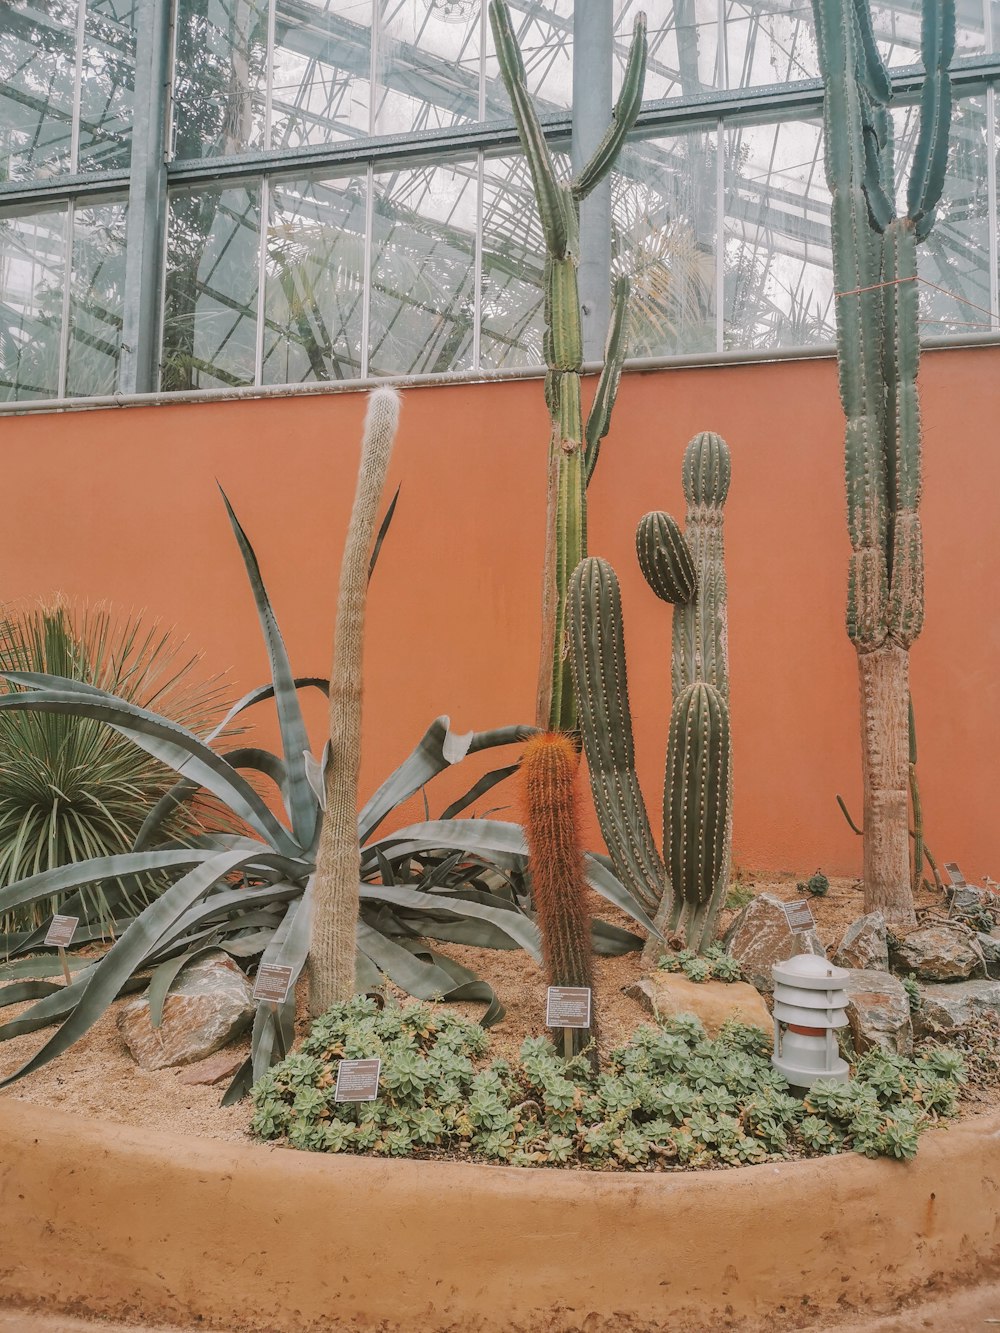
{"x":121,"y":505}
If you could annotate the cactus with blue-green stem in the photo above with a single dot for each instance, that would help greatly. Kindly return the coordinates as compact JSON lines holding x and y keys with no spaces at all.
{"x":573,"y":445}
{"x":878,"y":351}
{"x":684,"y":888}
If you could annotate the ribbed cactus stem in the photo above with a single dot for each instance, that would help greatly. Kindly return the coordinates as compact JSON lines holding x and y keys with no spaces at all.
{"x":696,"y":795}
{"x":338,"y":867}
{"x":551,"y":819}
{"x":701,"y":624}
{"x":875,"y":275}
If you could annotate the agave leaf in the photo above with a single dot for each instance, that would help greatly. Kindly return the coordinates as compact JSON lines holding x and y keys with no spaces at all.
{"x":294,"y":739}
{"x":367,"y":975}
{"x":502,"y":842}
{"x":275,"y":1024}
{"x":466,"y":985}
{"x":57,"y":1005}
{"x":518,"y":927}
{"x":383,"y":528}
{"x":105,"y":981}
{"x":28,"y":990}
{"x":172,"y":744}
{"x":49,"y":883}
{"x":611,"y":941}
{"x":418,"y":978}
{"x":261,"y":695}
{"x":485,"y":784}
{"x":438,"y":748}
{"x":609,"y":886}
{"x":41,"y":966}
{"x":179,"y":793}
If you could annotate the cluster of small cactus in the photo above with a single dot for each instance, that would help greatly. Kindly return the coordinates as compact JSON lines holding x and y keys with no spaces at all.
{"x":549,"y":768}
{"x":573,"y":448}
{"x":878,"y":349}
{"x":686,"y":890}
{"x":338,"y":863}
{"x":670,"y":1098}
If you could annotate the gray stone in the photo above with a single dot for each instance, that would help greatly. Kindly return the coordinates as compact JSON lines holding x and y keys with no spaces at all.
{"x":760,"y":937}
{"x":942,"y":951}
{"x":865,"y":944}
{"x":210,"y":1004}
{"x":946,"y":1008}
{"x":990,"y":945}
{"x":970,"y":900}
{"x":878,"y":1012}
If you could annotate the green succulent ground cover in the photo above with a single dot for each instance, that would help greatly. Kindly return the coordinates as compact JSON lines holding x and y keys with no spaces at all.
{"x":713,"y":965}
{"x":669,"y":1099}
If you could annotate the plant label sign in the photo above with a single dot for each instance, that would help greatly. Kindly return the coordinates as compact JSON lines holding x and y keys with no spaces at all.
{"x":955,"y":875}
{"x":357,"y":1080}
{"x":61,"y":931}
{"x":272,"y":983}
{"x":568,"y":1007}
{"x":799,"y":916}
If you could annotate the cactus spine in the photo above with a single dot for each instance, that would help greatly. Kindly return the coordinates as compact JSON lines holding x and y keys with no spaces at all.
{"x":687,"y":570}
{"x":573,"y":448}
{"x":338,"y":865}
{"x":549,"y":798}
{"x":878,"y":350}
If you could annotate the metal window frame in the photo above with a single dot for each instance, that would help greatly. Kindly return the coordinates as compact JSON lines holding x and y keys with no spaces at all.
{"x":153,"y":172}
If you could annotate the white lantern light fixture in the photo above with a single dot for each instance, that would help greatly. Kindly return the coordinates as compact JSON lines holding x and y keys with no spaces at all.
{"x":810,"y":1003}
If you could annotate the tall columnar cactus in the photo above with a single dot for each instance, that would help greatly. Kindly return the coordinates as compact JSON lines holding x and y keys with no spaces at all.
{"x":338,"y":865}
{"x":573,"y":449}
{"x":685,"y":569}
{"x":878,"y":349}
{"x":550,"y":803}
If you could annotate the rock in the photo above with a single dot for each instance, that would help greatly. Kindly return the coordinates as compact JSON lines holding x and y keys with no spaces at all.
{"x":666,"y":994}
{"x":946,"y":1008}
{"x":942,"y":951}
{"x":878,"y":1012}
{"x":760,"y":937}
{"x":967,"y":900}
{"x":213,"y":1070}
{"x":210,"y":1004}
{"x":865,"y":944}
{"x":990,"y":945}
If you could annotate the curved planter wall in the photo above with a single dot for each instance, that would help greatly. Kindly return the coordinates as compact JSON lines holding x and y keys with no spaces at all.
{"x":111,"y":1220}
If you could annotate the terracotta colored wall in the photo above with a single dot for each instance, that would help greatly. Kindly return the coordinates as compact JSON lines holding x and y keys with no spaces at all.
{"x":121,"y":505}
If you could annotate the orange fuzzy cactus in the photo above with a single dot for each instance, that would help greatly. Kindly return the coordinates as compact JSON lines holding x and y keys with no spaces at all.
{"x":550,"y":806}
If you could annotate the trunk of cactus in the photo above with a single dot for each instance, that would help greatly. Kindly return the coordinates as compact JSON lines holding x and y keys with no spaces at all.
{"x":333,"y":939}
{"x":885,"y":757}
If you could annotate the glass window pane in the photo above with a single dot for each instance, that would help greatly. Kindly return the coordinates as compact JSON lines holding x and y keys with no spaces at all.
{"x":897,"y":29}
{"x":108,"y":84}
{"x":32,"y":267}
{"x":37,"y":69}
{"x":321,"y":85}
{"x":513,"y":268}
{"x":664,"y":238}
{"x":428,"y":64}
{"x":769,"y":43}
{"x":954,"y":261}
{"x":778,"y":276}
{"x":545,"y":34}
{"x":96,"y":298}
{"x":683,"y":37}
{"x":210,"y":301}
{"x":219,"y":80}
{"x":423,"y":270}
{"x":314,"y":287}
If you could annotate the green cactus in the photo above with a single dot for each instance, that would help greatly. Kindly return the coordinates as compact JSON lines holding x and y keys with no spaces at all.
{"x":878,"y":350}
{"x":573,"y":447}
{"x":685,"y":569}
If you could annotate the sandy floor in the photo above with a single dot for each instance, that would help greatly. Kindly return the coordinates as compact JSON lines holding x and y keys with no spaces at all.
{"x":961,"y":1312}
{"x":97,"y":1076}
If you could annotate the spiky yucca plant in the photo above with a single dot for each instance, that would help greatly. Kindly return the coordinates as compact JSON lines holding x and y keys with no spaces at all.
{"x":70,"y":787}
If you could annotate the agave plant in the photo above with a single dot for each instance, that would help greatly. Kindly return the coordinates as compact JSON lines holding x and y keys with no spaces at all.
{"x":248,"y":892}
{"x":72,"y":789}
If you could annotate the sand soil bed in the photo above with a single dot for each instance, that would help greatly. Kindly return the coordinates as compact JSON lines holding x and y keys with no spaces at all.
{"x":97,"y":1077}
